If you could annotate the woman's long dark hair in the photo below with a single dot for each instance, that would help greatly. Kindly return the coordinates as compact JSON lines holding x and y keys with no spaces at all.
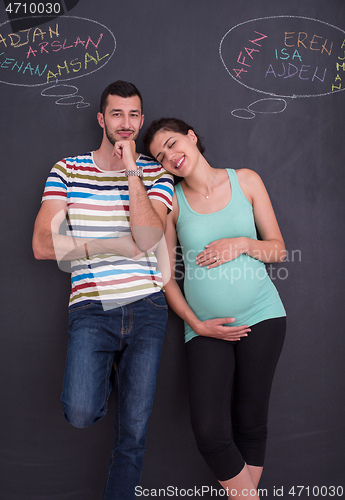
{"x":170,"y":124}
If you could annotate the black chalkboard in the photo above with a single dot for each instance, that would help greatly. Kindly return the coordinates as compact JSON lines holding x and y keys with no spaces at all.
{"x":262,"y":83}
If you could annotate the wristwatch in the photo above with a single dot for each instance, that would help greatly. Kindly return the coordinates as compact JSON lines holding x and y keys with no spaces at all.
{"x":138,"y":172}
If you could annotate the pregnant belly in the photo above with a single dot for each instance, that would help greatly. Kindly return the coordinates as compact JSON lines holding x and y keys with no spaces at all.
{"x":231,"y":289}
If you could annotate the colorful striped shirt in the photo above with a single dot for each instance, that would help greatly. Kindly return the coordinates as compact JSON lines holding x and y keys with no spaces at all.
{"x":98,"y":207}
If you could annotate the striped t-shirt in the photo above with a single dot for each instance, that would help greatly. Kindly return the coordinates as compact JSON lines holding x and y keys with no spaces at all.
{"x":98,"y":207}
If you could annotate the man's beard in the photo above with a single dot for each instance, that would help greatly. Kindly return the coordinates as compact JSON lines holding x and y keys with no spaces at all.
{"x":112,"y":139}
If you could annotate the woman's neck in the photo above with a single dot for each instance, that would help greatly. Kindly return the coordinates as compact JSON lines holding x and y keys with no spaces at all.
{"x":202,"y":178}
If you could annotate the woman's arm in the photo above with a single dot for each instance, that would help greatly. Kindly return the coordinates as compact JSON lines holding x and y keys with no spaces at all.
{"x":270,"y":248}
{"x":209,"y":328}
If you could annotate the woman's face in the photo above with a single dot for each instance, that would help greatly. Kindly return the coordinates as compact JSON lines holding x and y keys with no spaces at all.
{"x":177,"y":153}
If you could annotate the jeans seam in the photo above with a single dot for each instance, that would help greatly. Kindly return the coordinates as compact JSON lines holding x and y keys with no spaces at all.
{"x":109,"y":472}
{"x":117,"y":409}
{"x":84,"y":307}
{"x":125,"y":331}
{"x":105,"y":401}
{"x":150,"y":301}
{"x":157,"y":306}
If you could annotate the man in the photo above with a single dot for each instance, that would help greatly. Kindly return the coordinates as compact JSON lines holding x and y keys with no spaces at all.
{"x":115,"y":202}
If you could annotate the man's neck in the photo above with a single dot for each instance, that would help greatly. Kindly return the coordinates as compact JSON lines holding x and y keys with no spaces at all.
{"x":104,"y":159}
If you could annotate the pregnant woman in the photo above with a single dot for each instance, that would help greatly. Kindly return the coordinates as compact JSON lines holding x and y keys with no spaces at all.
{"x":234,"y":318}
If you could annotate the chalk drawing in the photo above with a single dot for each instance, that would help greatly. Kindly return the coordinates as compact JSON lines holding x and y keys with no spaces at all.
{"x":59,"y":50}
{"x":263,"y":106}
{"x":69,"y":97}
{"x":284,"y":57}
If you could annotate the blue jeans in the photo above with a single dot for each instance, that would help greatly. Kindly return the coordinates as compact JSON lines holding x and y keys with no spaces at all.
{"x":132,"y":335}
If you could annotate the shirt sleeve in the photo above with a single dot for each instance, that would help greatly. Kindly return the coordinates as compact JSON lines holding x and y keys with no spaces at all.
{"x":162,"y":189}
{"x":56,"y":184}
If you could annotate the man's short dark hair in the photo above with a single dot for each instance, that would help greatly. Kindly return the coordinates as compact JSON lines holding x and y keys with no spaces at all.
{"x":122,"y":89}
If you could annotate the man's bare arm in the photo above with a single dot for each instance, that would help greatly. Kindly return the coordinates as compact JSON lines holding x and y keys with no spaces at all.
{"x":48,"y":244}
{"x":147,"y":218}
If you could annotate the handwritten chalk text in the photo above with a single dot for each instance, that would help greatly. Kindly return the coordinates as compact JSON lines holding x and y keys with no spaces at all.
{"x":23,"y":37}
{"x":303,"y":73}
{"x":284,"y":54}
{"x":74,"y":66}
{"x":249,"y":51}
{"x":301,"y":41}
{"x":21,"y":67}
{"x":337,"y":81}
{"x":56,"y":45}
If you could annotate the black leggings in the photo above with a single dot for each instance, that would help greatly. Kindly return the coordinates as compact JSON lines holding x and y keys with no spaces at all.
{"x":229,"y":390}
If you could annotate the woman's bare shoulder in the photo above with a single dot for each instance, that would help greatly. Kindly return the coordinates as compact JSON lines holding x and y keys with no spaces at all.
{"x":250,"y":182}
{"x":248,"y":176}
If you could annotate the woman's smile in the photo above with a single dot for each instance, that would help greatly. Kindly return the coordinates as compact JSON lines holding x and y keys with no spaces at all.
{"x":179,"y":164}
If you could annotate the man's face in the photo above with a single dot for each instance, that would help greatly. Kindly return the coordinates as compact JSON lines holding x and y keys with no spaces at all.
{"x":122,"y":118}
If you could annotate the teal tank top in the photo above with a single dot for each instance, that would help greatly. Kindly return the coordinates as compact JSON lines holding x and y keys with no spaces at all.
{"x":240,"y":288}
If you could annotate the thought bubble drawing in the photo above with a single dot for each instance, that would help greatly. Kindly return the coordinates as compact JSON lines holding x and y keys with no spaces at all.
{"x":284,"y":57}
{"x":59,"y":50}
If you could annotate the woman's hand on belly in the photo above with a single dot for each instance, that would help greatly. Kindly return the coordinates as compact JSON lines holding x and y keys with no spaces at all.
{"x":221,"y":251}
{"x":215,"y":328}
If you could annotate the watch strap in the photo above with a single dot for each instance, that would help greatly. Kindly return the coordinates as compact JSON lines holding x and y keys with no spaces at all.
{"x":138,"y":172}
